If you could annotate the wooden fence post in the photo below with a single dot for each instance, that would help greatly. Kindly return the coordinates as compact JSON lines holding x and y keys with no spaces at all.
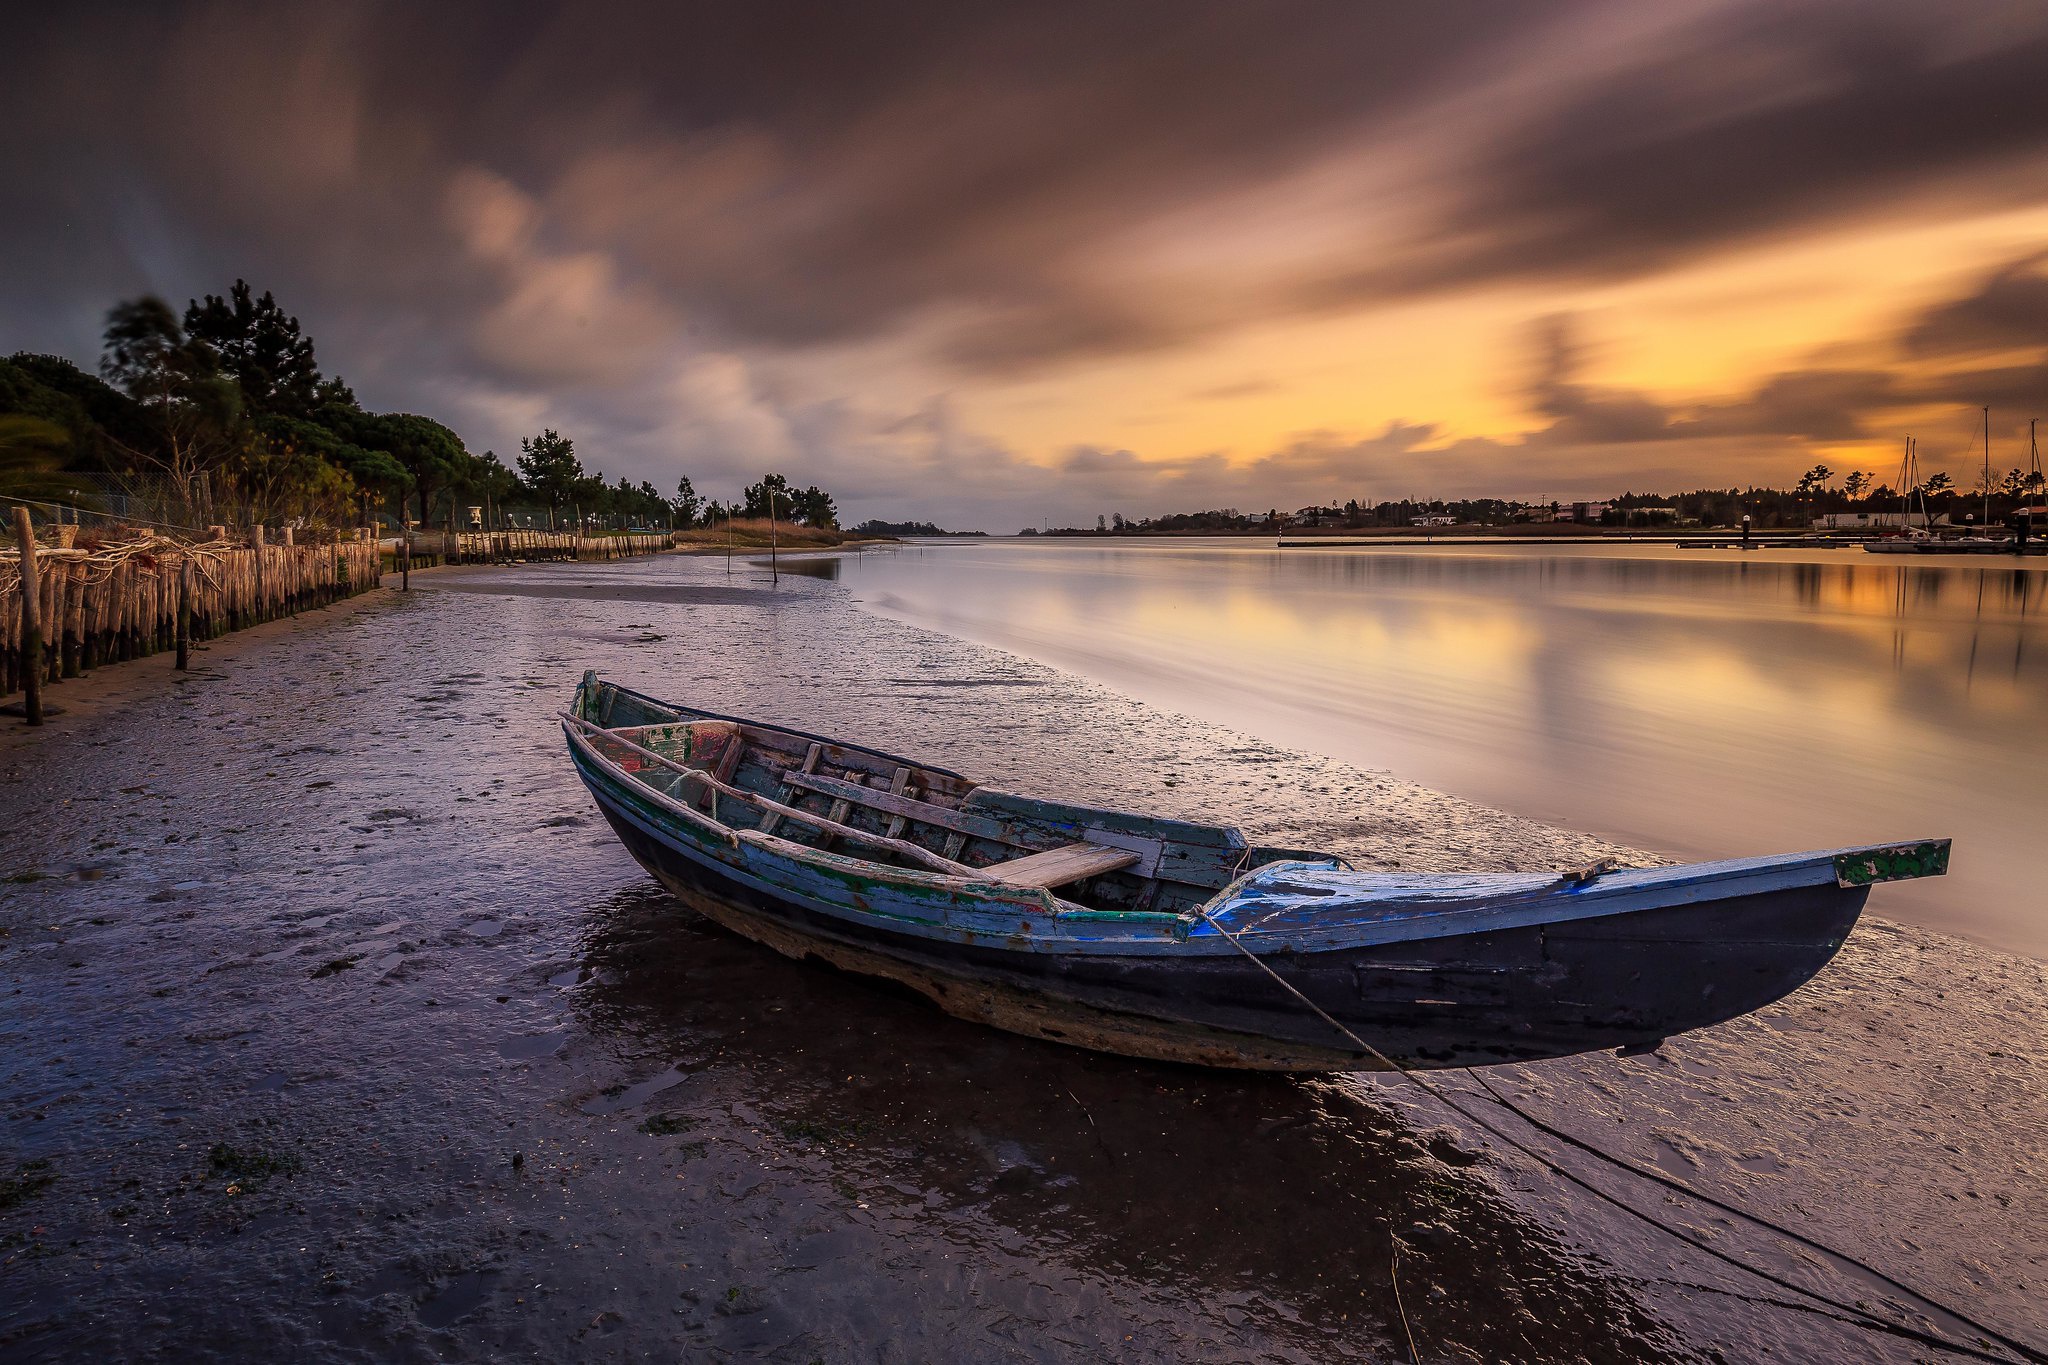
{"x":256,"y":567}
{"x":186,"y":573}
{"x":31,"y":621}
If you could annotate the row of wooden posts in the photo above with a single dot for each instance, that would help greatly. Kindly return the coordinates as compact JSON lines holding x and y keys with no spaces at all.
{"x":64,"y":611}
{"x":499,"y":547}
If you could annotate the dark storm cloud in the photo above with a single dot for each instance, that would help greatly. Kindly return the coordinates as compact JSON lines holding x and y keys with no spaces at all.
{"x":1756,"y":122}
{"x":973,"y":156}
{"x":781,"y":174}
{"x":2009,"y":309}
{"x":1579,"y":414}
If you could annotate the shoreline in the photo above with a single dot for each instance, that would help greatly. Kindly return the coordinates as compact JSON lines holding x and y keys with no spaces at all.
{"x":68,"y":693}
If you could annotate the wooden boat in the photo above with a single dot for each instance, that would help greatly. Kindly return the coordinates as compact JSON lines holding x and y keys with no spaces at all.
{"x":1937,"y":545}
{"x":1138,"y":934}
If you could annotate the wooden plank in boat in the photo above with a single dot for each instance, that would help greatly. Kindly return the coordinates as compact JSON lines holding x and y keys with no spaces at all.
{"x":786,"y":792}
{"x":1059,"y":866}
{"x":728,"y":760}
{"x":841,"y":808}
{"x":897,"y":786}
{"x":999,"y":803}
{"x":923,"y":812}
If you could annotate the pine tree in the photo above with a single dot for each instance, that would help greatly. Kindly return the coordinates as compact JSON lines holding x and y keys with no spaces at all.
{"x":262,"y":349}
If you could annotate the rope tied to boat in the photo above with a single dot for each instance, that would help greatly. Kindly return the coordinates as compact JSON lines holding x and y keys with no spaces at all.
{"x":1857,"y":1315}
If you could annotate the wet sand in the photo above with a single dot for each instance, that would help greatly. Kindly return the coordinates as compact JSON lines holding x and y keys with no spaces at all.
{"x":338,"y":1024}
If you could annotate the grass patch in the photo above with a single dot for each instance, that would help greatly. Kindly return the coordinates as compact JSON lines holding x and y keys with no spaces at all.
{"x":24,"y":878}
{"x":752,"y":534}
{"x":339,"y":964}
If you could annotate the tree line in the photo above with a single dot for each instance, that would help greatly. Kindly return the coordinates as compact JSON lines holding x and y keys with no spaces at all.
{"x":1816,"y":494}
{"x":223,"y":415}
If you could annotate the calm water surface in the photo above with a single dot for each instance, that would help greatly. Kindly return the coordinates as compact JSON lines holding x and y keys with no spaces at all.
{"x":1700,"y":703}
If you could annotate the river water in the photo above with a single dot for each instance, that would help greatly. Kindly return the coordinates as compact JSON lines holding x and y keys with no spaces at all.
{"x":1699,"y":703}
{"x":336,"y":1025}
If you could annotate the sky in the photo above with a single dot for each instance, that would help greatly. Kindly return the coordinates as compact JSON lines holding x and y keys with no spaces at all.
{"x":1001,"y":264}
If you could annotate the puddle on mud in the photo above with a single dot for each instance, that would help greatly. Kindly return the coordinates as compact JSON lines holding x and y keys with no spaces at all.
{"x":619,"y":1130}
{"x":527,"y":1048}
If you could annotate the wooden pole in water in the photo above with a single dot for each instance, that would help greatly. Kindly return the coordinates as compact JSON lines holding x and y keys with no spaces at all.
{"x":31,"y":621}
{"x":404,"y":548}
{"x":774,"y":573}
{"x":1987,"y":471}
{"x":186,"y":573}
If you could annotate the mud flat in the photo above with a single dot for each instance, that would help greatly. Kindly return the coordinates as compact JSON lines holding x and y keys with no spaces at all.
{"x":337,"y":1024}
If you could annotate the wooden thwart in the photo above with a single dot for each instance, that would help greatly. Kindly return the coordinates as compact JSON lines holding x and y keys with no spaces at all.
{"x":788,"y":791}
{"x":898,"y":784}
{"x":1059,"y":866}
{"x":890,"y":803}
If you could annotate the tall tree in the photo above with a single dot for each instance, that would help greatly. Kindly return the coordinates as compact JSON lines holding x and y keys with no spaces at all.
{"x":260,"y":348}
{"x":813,"y":507}
{"x":431,"y":455}
{"x":192,"y":409}
{"x":687,"y":504}
{"x":549,"y":468}
{"x":768,"y":497}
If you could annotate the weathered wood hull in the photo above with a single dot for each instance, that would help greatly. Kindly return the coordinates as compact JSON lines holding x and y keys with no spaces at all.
{"x":1517,"y":992}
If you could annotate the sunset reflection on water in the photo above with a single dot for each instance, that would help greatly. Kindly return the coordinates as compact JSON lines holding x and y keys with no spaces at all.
{"x":1700,"y":703}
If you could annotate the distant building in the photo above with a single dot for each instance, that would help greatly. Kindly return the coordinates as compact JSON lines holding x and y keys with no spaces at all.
{"x":1433,"y":521}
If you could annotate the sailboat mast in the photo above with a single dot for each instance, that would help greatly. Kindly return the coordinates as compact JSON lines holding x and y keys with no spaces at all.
{"x":1905,"y":485}
{"x":2033,"y":456}
{"x":1987,"y":469}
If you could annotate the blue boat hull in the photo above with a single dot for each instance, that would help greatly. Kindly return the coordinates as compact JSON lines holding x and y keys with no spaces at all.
{"x":1521,"y":992}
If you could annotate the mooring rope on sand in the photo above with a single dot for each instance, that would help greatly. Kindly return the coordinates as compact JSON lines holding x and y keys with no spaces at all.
{"x":1856,"y":1315}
